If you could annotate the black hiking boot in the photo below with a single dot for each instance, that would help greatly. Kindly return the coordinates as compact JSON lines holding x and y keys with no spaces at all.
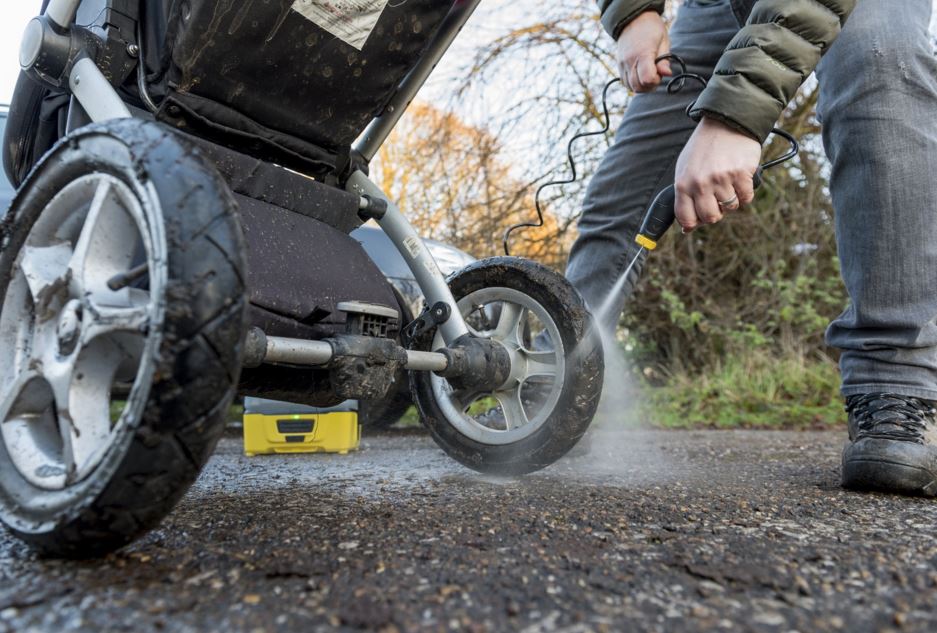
{"x":892,"y":445}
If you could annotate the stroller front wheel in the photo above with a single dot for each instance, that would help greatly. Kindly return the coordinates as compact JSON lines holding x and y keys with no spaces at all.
{"x":555,"y":382}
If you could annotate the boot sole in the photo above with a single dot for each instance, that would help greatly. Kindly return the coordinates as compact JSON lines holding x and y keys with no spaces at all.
{"x":888,"y":476}
{"x":894,"y":466}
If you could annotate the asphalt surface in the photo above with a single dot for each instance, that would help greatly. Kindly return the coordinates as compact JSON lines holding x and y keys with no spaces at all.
{"x":651,"y":531}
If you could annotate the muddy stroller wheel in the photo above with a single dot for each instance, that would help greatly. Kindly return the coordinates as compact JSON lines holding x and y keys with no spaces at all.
{"x":123,"y":312}
{"x":556,"y":376}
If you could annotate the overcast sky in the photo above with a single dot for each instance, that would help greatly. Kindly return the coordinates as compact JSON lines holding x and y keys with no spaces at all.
{"x":16,"y":13}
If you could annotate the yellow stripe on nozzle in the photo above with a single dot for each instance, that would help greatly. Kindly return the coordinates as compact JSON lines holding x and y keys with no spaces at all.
{"x":646,"y":242}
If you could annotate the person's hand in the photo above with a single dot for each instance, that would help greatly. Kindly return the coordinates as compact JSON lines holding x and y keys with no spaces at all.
{"x":715,"y":174}
{"x":641,"y":42}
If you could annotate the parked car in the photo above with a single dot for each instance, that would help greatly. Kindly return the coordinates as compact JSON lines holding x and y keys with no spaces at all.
{"x":379,"y":247}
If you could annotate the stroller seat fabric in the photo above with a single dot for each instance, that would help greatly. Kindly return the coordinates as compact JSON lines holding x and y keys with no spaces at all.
{"x":299,"y":78}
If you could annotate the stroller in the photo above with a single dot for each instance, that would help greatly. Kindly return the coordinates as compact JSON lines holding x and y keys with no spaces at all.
{"x":188,"y":174}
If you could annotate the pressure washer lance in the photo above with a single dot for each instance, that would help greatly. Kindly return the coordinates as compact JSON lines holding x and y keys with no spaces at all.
{"x":662,"y":212}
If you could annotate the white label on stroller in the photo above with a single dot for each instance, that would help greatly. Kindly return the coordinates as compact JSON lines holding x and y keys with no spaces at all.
{"x":413,"y":245}
{"x":349,"y":20}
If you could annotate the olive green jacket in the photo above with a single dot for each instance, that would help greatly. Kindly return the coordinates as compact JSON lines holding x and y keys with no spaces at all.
{"x":778,"y":47}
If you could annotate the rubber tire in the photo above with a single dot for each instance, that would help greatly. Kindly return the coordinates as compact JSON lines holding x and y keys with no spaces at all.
{"x":158,"y":456}
{"x":584,"y":372}
{"x":382,"y":414}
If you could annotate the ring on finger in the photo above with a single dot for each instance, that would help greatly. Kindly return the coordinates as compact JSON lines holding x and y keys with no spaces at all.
{"x":633,"y":73}
{"x":730,"y":203}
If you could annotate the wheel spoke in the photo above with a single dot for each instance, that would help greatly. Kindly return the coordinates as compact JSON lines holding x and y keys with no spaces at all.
{"x":509,"y":322}
{"x":82,"y":399}
{"x":513,"y":409}
{"x":20,"y":399}
{"x":86,"y":237}
{"x":29,"y":431}
{"x":132,"y":316}
{"x":463,"y":399}
{"x":105,"y":247}
{"x":46,"y":271}
{"x":540,"y":364}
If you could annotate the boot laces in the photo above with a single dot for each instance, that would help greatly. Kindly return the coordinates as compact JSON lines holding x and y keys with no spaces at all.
{"x":891,"y":416}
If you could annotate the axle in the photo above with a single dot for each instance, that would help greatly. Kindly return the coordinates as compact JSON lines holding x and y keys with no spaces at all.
{"x":261,"y":349}
{"x":478,"y":363}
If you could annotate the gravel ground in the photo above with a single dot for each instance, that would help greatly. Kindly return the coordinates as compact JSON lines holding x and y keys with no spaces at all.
{"x":651,"y":531}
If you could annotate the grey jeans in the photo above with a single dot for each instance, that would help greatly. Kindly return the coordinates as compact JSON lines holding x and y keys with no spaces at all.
{"x":878,"y":106}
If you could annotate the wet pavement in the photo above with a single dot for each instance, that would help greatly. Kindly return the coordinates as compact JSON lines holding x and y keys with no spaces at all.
{"x":652,"y":531}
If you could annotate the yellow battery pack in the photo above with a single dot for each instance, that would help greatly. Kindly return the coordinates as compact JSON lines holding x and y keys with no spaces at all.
{"x":333,"y":432}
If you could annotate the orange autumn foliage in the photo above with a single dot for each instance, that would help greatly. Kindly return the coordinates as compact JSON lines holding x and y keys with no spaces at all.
{"x":452,"y":182}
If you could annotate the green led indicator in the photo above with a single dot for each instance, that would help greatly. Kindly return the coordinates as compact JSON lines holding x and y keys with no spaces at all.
{"x":295,"y":417}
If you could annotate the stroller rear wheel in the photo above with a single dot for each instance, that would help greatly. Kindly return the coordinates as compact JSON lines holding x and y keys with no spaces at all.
{"x":556,"y":377}
{"x":122,"y":317}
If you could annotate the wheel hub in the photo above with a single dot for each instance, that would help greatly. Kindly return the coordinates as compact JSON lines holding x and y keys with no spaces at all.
{"x":68,"y":331}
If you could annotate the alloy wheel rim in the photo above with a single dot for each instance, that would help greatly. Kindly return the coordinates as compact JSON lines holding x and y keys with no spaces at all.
{"x":73,"y":345}
{"x":537,"y":376}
